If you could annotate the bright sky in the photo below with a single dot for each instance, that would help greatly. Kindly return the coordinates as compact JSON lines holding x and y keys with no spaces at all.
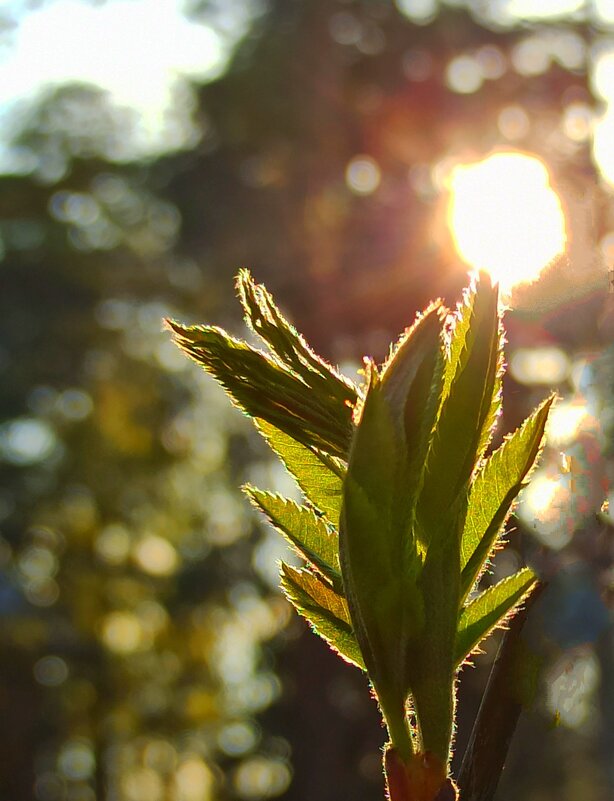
{"x":137,"y":50}
{"x":133,"y":49}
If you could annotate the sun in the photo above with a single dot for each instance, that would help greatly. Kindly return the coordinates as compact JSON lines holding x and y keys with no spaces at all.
{"x":505,"y":217}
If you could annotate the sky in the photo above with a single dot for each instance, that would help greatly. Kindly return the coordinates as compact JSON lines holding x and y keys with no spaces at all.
{"x":139,"y":51}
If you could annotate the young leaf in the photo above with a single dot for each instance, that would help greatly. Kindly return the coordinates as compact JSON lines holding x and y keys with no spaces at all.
{"x":432,"y":665}
{"x":265,"y":320}
{"x":264,"y":388}
{"x":489,"y":609}
{"x":379,"y":558}
{"x":324,"y":609}
{"x":494,"y":490}
{"x":319,"y":477}
{"x":465,"y":410}
{"x":307,"y":533}
{"x":461,"y":335}
{"x":413,"y":394}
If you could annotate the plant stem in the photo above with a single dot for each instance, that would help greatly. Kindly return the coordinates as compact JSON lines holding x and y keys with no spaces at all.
{"x":399,"y":730}
{"x":497,"y":717}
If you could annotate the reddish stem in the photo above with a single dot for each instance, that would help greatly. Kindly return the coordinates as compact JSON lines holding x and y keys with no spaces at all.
{"x":422,"y":778}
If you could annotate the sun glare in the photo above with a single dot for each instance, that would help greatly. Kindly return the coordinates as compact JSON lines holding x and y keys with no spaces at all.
{"x":505,"y":217}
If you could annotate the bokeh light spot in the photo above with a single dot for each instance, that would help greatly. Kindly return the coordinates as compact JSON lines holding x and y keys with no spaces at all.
{"x":530,"y":57}
{"x":564,"y":422}
{"x":345,"y":28}
{"x":362,"y":175}
{"x":529,"y":9}
{"x":540,"y":493}
{"x":194,"y":781}
{"x":491,"y":61}
{"x":142,"y":783}
{"x":547,"y":366}
{"x":75,"y":404}
{"x":113,"y":544}
{"x":572,"y":683}
{"x":259,"y":777}
{"x":237,"y":738}
{"x":464,"y":75}
{"x":51,"y":671}
{"x":156,"y":556}
{"x":420,"y":12}
{"x":513,"y":122}
{"x":578,"y":122}
{"x":76,"y":760}
{"x":122,"y":632}
{"x":541,"y":507}
{"x":602,"y":79}
{"x":26,"y":441}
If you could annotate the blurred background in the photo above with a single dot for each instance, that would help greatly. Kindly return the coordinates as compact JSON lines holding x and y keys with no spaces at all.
{"x":359,"y":156}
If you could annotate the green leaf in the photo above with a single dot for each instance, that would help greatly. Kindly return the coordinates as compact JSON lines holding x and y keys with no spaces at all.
{"x":324,"y":609}
{"x":431,"y":664}
{"x":461,"y":342}
{"x":412,"y":386}
{"x":489,"y":609}
{"x":379,"y":558}
{"x":458,"y":334}
{"x":494,"y":490}
{"x":264,"y":388}
{"x":306,"y":532}
{"x":466,"y":408}
{"x":265,"y":320}
{"x":319,"y":477}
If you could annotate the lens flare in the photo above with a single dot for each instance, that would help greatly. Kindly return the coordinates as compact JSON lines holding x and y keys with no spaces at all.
{"x":505,"y":217}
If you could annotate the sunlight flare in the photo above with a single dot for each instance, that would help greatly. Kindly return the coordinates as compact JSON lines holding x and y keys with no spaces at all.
{"x":505,"y":217}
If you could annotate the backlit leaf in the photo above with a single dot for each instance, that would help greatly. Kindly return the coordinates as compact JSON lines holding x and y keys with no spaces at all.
{"x":265,"y":320}
{"x":320,"y":478}
{"x":307,"y":533}
{"x":265,"y":388}
{"x":494,"y":490}
{"x":490,"y":609}
{"x":464,"y":413}
{"x":432,"y":666}
{"x":379,"y":556}
{"x":324,"y":609}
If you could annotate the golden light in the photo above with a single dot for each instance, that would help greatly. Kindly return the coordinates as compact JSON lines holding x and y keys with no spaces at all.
{"x":505,"y":217}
